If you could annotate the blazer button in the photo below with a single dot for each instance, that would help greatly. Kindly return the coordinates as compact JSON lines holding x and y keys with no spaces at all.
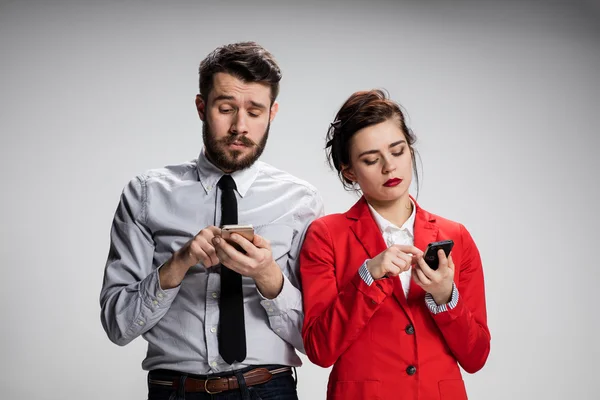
{"x":410,"y":330}
{"x":411,"y":370}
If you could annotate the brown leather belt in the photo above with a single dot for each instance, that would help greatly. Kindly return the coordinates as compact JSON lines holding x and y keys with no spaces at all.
{"x":214,"y":385}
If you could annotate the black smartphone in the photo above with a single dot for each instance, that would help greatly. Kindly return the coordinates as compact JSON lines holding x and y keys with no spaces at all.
{"x":431,"y":253}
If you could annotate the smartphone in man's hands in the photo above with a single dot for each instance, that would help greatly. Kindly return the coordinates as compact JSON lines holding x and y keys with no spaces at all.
{"x":246,"y":231}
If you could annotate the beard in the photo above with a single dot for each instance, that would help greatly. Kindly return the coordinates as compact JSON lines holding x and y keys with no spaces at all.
{"x":231,"y":160}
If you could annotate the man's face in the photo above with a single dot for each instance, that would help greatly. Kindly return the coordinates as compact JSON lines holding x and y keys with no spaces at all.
{"x":236,"y":117}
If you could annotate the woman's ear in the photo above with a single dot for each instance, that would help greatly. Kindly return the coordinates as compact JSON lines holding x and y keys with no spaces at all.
{"x":348,"y":173}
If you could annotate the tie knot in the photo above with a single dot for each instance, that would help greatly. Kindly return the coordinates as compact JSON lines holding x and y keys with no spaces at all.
{"x":226,"y":182}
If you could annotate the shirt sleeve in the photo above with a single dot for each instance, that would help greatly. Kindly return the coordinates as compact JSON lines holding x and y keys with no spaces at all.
{"x":131,"y":298}
{"x":438,"y":308}
{"x":285,"y":312}
{"x":365,"y":274}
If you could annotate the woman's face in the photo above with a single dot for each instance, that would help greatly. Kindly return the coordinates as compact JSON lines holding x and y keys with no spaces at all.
{"x":381,"y":162}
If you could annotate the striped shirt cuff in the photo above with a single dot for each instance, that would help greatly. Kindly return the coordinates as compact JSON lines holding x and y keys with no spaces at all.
{"x":365,"y":274}
{"x":435,"y":308}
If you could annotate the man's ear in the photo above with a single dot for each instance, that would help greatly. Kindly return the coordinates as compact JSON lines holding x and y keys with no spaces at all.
{"x":274,"y":110}
{"x":201,"y":107}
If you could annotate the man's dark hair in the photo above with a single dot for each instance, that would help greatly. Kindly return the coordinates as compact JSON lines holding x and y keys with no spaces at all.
{"x":247,"y":61}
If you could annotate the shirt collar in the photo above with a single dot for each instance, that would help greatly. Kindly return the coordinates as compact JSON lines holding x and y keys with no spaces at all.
{"x":387,"y":226}
{"x":209,"y":175}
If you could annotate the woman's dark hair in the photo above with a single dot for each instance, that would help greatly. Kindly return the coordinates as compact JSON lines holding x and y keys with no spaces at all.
{"x":247,"y":61}
{"x":363,"y":109}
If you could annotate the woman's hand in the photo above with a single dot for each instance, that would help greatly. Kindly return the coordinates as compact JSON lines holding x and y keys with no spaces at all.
{"x":393,"y":261}
{"x":439,"y":282}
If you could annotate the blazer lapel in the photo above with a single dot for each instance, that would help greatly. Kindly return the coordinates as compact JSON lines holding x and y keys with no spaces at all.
{"x":368,"y":234}
{"x":365,"y":228}
{"x":425,"y":231}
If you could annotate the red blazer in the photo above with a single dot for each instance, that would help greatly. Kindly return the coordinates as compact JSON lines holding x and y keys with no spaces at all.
{"x":381,"y":344}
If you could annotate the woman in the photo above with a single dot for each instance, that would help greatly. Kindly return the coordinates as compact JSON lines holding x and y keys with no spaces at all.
{"x":391,"y":326}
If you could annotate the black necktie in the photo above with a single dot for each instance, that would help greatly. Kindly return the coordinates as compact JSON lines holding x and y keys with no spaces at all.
{"x":232,"y":331}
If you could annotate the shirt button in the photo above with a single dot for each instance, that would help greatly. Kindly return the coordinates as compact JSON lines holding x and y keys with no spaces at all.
{"x":155,"y":302}
{"x":278,"y":330}
{"x":214,"y":363}
{"x":215,"y":295}
{"x":270,"y":310}
{"x":411,"y":370}
{"x":160,"y":295}
{"x":410,"y":330}
{"x":213,"y":329}
{"x":141,"y":323}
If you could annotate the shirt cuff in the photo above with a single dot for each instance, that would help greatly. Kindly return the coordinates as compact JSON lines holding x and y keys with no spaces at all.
{"x":377,"y":292}
{"x":436,"y":308}
{"x":287,"y":299}
{"x":365,"y":274}
{"x":155,"y":296}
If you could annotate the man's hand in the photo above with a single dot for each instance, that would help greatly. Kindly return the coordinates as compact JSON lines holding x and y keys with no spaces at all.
{"x":257,"y":263}
{"x":198,"y":250}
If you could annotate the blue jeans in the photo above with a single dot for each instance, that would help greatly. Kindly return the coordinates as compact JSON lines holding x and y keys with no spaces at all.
{"x":281,"y":387}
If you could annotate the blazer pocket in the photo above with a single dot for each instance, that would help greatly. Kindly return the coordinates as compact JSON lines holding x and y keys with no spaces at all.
{"x":354,"y":390}
{"x":452,"y":389}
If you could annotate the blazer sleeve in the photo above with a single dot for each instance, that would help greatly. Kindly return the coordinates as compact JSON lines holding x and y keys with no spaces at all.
{"x":334,"y":317}
{"x":464,"y":327}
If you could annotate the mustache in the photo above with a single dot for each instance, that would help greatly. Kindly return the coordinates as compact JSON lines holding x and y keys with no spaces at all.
{"x":239,"y":138}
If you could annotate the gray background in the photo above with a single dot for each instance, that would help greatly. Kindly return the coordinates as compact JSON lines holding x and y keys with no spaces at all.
{"x":504,"y":97}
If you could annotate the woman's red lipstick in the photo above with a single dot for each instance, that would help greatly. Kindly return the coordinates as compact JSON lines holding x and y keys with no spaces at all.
{"x":392,"y":182}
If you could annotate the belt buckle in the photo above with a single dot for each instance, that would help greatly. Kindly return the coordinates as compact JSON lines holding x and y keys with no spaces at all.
{"x":206,"y":385}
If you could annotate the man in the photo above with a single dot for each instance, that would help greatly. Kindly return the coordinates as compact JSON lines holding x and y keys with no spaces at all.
{"x":217,"y":319}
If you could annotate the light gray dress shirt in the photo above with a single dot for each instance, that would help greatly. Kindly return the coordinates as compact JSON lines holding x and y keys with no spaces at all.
{"x":158,"y":213}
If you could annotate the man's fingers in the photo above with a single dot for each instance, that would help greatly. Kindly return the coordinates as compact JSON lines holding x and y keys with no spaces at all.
{"x":212,"y":230}
{"x":261,"y":242}
{"x":207,"y":234}
{"x":202,"y":249}
{"x":227,"y":254}
{"x":197,"y":255}
{"x":212,"y":254}
{"x":244,"y":243}
{"x":221,"y":255}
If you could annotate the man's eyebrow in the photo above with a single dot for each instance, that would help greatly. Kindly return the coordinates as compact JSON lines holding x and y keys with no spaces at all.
{"x":258,"y":105}
{"x":223,"y":97}
{"x":254,"y":104}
